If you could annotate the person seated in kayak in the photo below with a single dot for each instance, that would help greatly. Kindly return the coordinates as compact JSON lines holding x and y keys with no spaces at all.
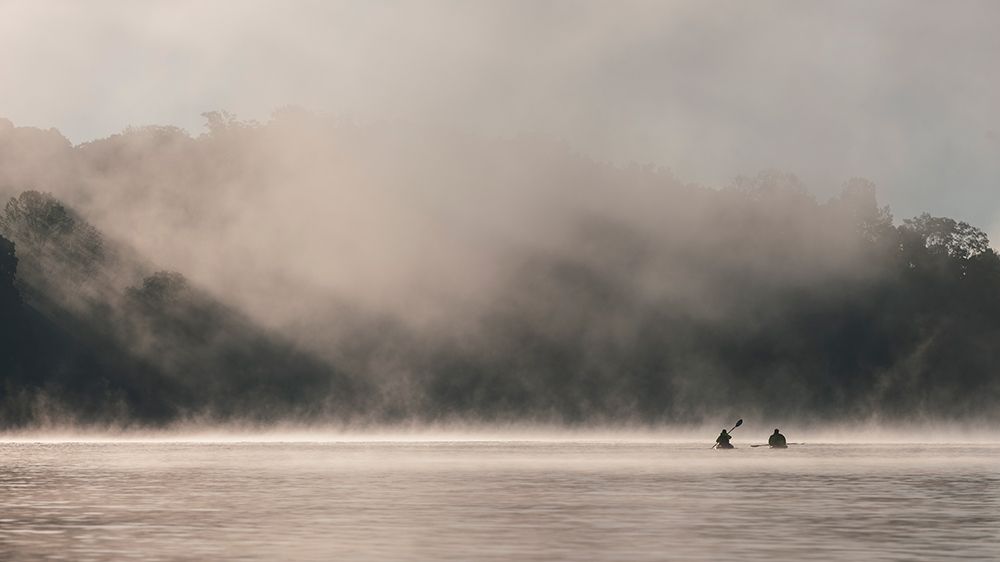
{"x":777,"y":440}
{"x":722,"y":441}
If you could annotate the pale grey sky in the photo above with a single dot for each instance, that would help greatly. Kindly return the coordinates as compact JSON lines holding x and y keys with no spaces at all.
{"x":901,"y":92}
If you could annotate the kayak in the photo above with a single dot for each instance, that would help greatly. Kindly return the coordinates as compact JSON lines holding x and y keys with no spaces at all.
{"x":725,"y":446}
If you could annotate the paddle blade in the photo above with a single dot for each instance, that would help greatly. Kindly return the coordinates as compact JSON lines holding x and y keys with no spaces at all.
{"x":739,"y":422}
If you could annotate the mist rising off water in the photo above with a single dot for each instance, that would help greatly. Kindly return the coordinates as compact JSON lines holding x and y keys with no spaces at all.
{"x":326,"y":272}
{"x":541,"y":500}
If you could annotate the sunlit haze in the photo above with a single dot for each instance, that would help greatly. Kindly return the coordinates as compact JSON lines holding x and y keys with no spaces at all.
{"x":901,"y":93}
{"x":495,"y":280}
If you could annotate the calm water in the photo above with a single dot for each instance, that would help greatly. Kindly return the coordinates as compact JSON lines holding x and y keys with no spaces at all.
{"x":497,"y":501}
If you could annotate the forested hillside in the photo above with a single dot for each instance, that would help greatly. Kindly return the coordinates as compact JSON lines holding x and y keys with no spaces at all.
{"x":345,"y":273}
{"x":93,"y":335}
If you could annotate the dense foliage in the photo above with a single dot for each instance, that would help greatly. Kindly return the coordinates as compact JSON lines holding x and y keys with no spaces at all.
{"x":87,"y":347}
{"x":643,"y":300}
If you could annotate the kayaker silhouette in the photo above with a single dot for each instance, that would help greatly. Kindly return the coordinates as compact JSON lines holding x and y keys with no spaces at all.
{"x":777,"y":440}
{"x":722,"y":441}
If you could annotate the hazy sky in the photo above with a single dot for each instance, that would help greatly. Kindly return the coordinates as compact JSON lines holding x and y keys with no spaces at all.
{"x":903,"y":93}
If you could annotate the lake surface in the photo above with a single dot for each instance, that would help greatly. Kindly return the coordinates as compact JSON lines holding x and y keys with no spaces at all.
{"x":497,"y":500}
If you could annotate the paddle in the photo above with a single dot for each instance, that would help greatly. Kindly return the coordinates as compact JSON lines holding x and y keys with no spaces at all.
{"x":739,"y":422}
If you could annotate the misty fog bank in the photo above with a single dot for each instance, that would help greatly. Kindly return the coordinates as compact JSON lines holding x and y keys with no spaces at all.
{"x":872,"y":432}
{"x":311,"y":269}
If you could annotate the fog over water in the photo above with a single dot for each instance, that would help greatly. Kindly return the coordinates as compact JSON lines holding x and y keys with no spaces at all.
{"x":307,"y":269}
{"x":451,"y":280}
{"x":563,"y":213}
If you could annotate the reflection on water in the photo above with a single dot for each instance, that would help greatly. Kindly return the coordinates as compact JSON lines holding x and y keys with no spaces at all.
{"x":497,"y":501}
